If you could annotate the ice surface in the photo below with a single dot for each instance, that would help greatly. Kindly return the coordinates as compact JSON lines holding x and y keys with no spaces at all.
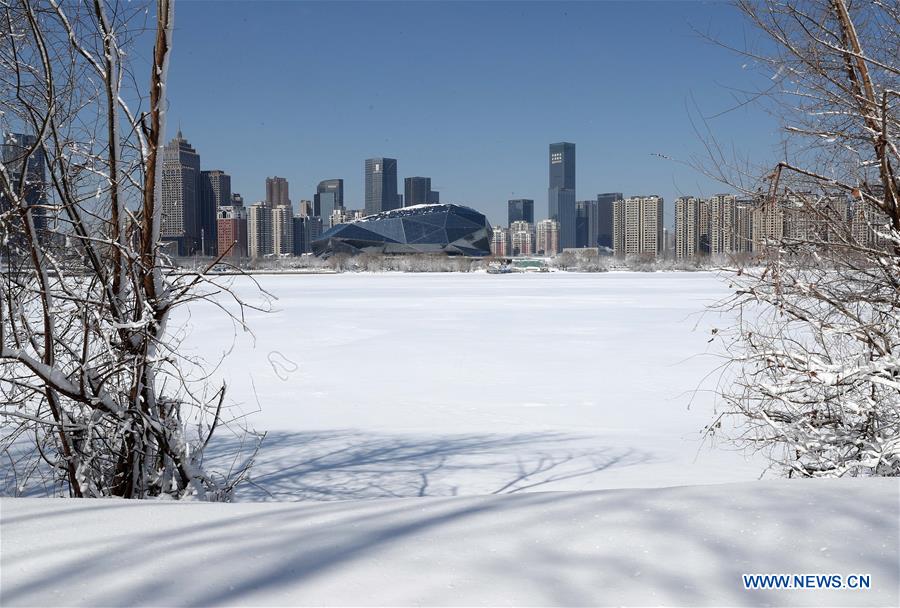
{"x":385,"y":385}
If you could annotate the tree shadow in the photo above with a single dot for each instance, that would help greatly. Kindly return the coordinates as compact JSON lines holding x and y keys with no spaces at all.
{"x":352,"y":465}
{"x":682,"y":546}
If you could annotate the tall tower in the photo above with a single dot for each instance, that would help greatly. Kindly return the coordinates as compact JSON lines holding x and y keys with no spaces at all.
{"x":520,"y":210}
{"x":587,"y":223}
{"x":215,"y":192}
{"x":561,"y":194}
{"x":12,"y":152}
{"x":260,"y":237}
{"x":638,"y":226}
{"x":605,"y":203}
{"x":181,"y":220}
{"x":381,"y":185}
{"x":282,"y":230}
{"x":277,"y":191}
{"x":329,"y":196}
{"x":417,"y":191}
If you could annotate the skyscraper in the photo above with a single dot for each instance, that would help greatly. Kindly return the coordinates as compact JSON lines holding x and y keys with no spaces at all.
{"x":277,"y":191}
{"x":381,"y":185}
{"x":215,"y":192}
{"x":547,"y":237}
{"x":13,"y":151}
{"x":417,"y":191}
{"x":329,"y":196}
{"x":520,"y":210}
{"x":500,"y":245}
{"x":260,"y":240}
{"x":521,"y":238}
{"x":605,"y":203}
{"x":282,"y":230}
{"x":300,"y":225}
{"x":587,"y":225}
{"x":638,"y":226}
{"x":181,"y":220}
{"x":306,"y":209}
{"x":231,"y":231}
{"x":687,"y":227}
{"x":561,"y":204}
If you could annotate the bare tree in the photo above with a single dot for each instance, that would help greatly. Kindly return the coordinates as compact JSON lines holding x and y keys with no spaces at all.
{"x":814,"y":372}
{"x":92,"y":385}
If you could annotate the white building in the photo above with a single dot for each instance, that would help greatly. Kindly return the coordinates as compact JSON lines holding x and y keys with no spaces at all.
{"x":282,"y":230}
{"x":547,"y":237}
{"x":522,"y":238}
{"x":500,"y":245}
{"x":260,"y":239}
{"x":638,"y":226}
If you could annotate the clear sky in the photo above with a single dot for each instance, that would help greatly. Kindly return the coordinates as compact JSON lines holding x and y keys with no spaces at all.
{"x":468,"y":93}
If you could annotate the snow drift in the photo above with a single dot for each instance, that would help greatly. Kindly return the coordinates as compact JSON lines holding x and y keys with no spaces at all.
{"x":671,"y":546}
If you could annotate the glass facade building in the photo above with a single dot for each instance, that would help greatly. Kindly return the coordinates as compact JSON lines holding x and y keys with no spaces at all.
{"x":605,"y":202}
{"x":381,"y":185}
{"x":520,"y":210}
{"x":561,"y":203}
{"x":329,"y":196}
{"x":443,"y":228}
{"x":417,"y":191}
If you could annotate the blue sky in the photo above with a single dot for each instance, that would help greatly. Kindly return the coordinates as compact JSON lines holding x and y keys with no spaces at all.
{"x":468,"y":93}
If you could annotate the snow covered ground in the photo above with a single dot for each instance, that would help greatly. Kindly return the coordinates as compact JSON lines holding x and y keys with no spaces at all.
{"x":394,"y":385}
{"x":684,"y":546}
{"x":525,"y":431}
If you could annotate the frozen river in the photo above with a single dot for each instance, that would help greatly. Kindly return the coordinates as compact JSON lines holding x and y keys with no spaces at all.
{"x":439,"y":384}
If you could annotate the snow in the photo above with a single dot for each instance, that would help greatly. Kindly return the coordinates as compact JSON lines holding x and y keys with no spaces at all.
{"x":683,"y":546}
{"x":390,"y":385}
{"x":534,"y":439}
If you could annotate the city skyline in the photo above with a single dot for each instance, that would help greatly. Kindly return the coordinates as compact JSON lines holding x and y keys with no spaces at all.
{"x":481,"y":139}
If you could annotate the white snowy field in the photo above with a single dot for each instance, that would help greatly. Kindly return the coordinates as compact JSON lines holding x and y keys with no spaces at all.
{"x":524,"y":433}
{"x":395,"y":385}
{"x":686,"y":546}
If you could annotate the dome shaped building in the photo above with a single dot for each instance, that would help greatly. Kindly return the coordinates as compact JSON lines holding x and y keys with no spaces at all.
{"x":437,"y":228}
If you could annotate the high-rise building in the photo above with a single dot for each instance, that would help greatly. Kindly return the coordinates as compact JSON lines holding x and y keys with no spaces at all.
{"x":277,"y":191}
{"x":638,"y":226}
{"x":547,"y":237}
{"x":521,"y":238}
{"x":231,"y":230}
{"x":587,"y":223}
{"x":768,"y":226}
{"x":381,"y":185}
{"x":282,"y":230}
{"x":181,"y":219}
{"x":561,"y":204}
{"x":605,"y":203}
{"x":306,"y":209}
{"x":237,"y":200}
{"x":722,"y":216}
{"x":329,"y":196}
{"x":500,"y":245}
{"x":743,"y":222}
{"x":687,"y":227}
{"x":719,"y":225}
{"x":417,"y":191}
{"x":215,"y":192}
{"x":315,"y":228}
{"x":520,"y":210}
{"x":300,"y":224}
{"x":15,"y":148}
{"x":260,"y":237}
{"x":870,"y":225}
